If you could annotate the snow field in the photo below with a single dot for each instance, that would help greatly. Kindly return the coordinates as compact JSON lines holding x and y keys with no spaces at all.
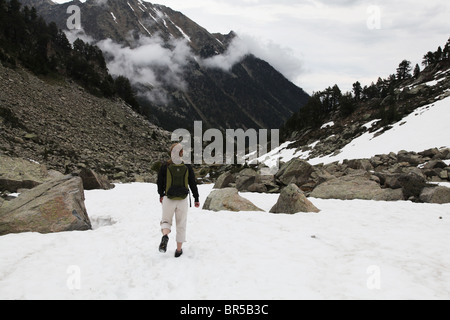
{"x":350,"y":250}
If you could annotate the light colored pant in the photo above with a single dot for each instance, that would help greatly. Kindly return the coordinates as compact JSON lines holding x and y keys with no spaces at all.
{"x":180,"y":209}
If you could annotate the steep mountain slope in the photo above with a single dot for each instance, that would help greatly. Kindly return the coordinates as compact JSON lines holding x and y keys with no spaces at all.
{"x":182,"y":83}
{"x":413,"y":116}
{"x":66,"y":128}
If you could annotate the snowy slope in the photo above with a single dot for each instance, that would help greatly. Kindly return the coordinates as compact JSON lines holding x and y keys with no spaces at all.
{"x":427,"y":127}
{"x":350,"y":250}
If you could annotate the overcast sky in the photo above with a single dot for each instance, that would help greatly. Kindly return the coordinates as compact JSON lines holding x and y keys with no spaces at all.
{"x":319,"y":43}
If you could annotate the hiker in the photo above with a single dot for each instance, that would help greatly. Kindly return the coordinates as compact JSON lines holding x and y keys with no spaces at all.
{"x":174,"y":180}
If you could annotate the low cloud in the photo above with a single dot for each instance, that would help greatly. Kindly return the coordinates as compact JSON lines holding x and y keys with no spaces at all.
{"x":150,"y":63}
{"x":155,"y":66}
{"x":75,"y":34}
{"x":282,"y":59}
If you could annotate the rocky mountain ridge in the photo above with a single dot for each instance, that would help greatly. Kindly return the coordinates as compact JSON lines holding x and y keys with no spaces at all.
{"x":248,"y":94}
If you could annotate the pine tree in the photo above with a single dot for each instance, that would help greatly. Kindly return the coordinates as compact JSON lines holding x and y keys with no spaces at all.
{"x":446,"y":52}
{"x":438,"y":54}
{"x":428,"y":59}
{"x":124,"y":90}
{"x":347,"y":104}
{"x":417,"y":71}
{"x":357,"y":90}
{"x":404,"y":70}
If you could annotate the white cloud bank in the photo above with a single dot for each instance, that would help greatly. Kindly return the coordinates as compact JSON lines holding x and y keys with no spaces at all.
{"x":280,"y":58}
{"x":150,"y":62}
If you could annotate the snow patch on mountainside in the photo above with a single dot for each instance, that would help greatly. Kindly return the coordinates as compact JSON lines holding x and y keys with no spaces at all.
{"x":427,"y":127}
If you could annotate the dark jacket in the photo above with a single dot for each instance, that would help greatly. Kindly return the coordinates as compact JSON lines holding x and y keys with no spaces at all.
{"x":162,"y":181}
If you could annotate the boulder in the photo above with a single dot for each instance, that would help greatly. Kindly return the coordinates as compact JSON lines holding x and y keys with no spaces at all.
{"x":352,"y":187}
{"x":295,"y":171}
{"x":435,"y":164}
{"x":245,"y":179}
{"x":411,"y":183}
{"x":292,"y":200}
{"x":16,"y":173}
{"x":438,"y":195}
{"x":224,"y":180}
{"x":410,"y":157}
{"x":261,"y":184}
{"x":93,"y":180}
{"x":54,"y":206}
{"x":359,"y":164}
{"x":228,"y":199}
{"x":430,"y":153}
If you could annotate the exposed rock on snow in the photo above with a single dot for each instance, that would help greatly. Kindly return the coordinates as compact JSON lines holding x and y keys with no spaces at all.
{"x":247,"y":180}
{"x":93,"y":180}
{"x":18,"y":173}
{"x":228,"y":199}
{"x":438,"y":195}
{"x":55,"y":206}
{"x":356,"y":186}
{"x":224,"y":180}
{"x":292,"y":200}
{"x":296,"y":171}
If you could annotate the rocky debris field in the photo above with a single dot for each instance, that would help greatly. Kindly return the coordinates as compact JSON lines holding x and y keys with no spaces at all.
{"x":67,"y":129}
{"x":417,"y":177}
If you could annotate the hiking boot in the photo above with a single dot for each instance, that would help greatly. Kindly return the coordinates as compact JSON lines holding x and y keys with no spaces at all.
{"x":163,"y":245}
{"x":178,"y":253}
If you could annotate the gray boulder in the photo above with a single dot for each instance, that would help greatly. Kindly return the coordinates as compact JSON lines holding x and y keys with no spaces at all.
{"x":359,"y":164}
{"x":435,"y":164}
{"x":411,"y":183}
{"x":224,"y":180}
{"x":245,"y":179}
{"x":54,"y":206}
{"x":16,"y":173}
{"x":93,"y":180}
{"x":292,"y":200}
{"x":295,"y":171}
{"x":438,"y":195}
{"x":352,"y":187}
{"x":228,"y":199}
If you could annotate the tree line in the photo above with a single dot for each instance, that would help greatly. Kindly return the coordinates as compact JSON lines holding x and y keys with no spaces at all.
{"x":322,"y":103}
{"x":26,"y":39}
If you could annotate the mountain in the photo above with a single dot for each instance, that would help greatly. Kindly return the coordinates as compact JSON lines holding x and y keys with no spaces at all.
{"x":61,"y":108}
{"x":332,"y":125}
{"x":62,"y":126}
{"x":190,"y":74}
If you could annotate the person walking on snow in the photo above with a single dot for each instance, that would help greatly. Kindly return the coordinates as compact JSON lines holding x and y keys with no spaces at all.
{"x":174,"y":181}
